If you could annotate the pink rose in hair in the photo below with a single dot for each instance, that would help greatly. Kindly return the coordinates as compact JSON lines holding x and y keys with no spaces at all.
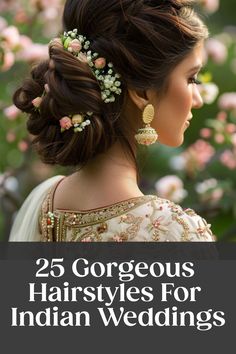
{"x":75,"y":46}
{"x":37,"y":102}
{"x":100,"y":63}
{"x":65,"y":123}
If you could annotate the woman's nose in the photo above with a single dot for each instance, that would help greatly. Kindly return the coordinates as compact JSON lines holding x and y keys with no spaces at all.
{"x":197,"y":98}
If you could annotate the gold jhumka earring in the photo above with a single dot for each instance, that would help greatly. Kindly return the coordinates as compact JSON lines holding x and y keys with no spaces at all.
{"x":147,"y":135}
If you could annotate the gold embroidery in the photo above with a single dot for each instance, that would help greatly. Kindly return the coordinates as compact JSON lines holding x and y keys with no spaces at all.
{"x":132,"y":230}
{"x":158,"y":228}
{"x":184,"y":224}
{"x":204,"y":229}
{"x":143,"y":218}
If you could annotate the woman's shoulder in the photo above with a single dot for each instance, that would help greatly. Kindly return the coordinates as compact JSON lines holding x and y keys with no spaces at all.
{"x":170,"y":222}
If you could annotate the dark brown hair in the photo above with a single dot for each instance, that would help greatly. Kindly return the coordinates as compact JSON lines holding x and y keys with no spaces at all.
{"x":144,"y":39}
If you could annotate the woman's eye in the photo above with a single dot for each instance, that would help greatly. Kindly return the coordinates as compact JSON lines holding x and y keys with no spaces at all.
{"x":193,"y":80}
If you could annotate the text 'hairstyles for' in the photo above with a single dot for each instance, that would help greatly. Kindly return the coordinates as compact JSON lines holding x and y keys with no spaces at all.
{"x":144,"y":39}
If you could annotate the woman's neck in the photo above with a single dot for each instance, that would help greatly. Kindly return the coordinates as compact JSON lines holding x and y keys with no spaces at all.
{"x":112,"y":176}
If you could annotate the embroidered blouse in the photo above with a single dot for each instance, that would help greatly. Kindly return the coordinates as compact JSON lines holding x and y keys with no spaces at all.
{"x":147,"y":218}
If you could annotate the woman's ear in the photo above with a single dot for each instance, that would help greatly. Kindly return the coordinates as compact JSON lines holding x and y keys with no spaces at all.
{"x":139,"y":98}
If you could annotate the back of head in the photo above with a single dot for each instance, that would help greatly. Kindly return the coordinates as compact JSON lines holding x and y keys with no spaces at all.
{"x":143,"y":39}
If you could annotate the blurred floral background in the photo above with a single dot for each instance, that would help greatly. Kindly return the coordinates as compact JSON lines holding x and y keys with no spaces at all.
{"x":200,"y":174}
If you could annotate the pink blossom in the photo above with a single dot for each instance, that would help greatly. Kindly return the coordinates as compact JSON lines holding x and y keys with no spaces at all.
{"x":34,"y":52}
{"x":233,"y":139}
{"x":230,"y":128}
{"x":221,"y":116}
{"x":56,"y":41}
{"x":217,"y":194}
{"x":210,"y":5}
{"x":12,"y":112}
{"x":228,"y":159}
{"x":198,"y":155}
{"x":205,"y":133}
{"x":3,"y":23}
{"x":50,"y":13}
{"x":65,"y":123}
{"x":10,"y":137}
{"x":100,"y":63}
{"x":11,"y":36}
{"x":75,"y":46}
{"x":227,"y":101}
{"x":25,"y":42}
{"x":216,"y":50}
{"x":8,"y":61}
{"x":37,"y":102}
{"x":219,"y":138}
{"x":23,"y":146}
{"x":171,"y":187}
{"x":21,"y":16}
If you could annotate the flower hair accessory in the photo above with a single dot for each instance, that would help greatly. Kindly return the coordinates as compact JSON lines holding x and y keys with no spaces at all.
{"x":108,"y":80}
{"x":78,"y":121}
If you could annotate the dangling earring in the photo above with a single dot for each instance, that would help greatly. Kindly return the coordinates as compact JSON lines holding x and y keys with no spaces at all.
{"x":147,"y":135}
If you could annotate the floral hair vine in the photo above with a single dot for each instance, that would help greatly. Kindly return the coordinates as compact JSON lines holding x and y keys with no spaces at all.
{"x":108,"y":80}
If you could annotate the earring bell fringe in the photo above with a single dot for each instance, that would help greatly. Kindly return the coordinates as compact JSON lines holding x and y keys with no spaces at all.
{"x":147,"y":135}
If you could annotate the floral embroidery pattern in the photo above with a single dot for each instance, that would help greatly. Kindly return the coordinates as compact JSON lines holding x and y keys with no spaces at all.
{"x":158,"y":227}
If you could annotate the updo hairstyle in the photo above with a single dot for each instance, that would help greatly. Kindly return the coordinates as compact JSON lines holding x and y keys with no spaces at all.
{"x":144,"y":39}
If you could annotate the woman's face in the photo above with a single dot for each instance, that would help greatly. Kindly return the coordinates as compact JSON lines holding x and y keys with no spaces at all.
{"x":174,"y":110}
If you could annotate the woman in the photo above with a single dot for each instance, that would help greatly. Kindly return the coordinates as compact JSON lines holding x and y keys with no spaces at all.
{"x":123,"y":73}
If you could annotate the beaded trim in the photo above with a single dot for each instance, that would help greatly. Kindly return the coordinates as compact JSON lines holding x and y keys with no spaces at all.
{"x":88,"y":218}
